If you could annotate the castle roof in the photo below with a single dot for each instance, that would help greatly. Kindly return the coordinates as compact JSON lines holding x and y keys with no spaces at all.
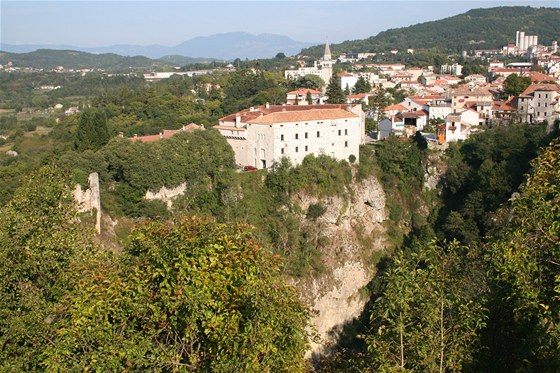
{"x":300,"y":116}
{"x":248,"y":115}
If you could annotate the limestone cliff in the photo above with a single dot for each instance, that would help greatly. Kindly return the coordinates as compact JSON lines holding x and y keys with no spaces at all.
{"x":355,"y":231}
{"x":89,"y":200}
{"x":167,"y":195}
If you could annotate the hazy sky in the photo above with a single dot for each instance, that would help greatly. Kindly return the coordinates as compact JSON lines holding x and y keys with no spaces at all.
{"x":103,"y":23}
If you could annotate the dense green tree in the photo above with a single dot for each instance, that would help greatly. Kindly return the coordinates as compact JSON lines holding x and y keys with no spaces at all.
{"x":515,"y":84}
{"x":526,"y":255}
{"x":482,"y":174}
{"x":43,"y":249}
{"x":429,"y":315}
{"x":194,"y":295}
{"x":92,"y":132}
{"x":334,"y":92}
{"x":361,"y":86}
{"x":309,"y":81}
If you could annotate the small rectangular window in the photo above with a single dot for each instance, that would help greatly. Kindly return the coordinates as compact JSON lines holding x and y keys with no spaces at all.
{"x":297,"y":136}
{"x":318,"y":134}
{"x":281,"y":137}
{"x":346,"y":132}
{"x":339,"y":132}
{"x":297,"y":149}
{"x":306,"y":148}
{"x":345,"y":144}
{"x":282,"y":151}
{"x":306,"y":135}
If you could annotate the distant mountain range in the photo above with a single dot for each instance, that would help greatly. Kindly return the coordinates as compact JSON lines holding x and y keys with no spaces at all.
{"x":488,"y":28}
{"x":227,"y":46}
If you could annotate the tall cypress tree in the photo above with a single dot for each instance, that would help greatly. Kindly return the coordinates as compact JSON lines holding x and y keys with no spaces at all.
{"x":334,"y":92}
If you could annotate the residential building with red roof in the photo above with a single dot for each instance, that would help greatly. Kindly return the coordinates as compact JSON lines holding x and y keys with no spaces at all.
{"x":391,"y":110}
{"x":301,"y":96}
{"x":538,"y":103}
{"x":165,"y":134}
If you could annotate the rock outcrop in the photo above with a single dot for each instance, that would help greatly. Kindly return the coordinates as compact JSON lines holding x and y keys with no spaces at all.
{"x":89,"y":200}
{"x":167,"y":195}
{"x":355,"y":231}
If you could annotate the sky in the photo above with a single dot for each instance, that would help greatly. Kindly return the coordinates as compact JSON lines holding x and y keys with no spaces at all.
{"x":103,"y":23}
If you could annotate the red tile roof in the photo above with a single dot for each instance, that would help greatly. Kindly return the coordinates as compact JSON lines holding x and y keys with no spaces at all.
{"x":540,"y":87}
{"x":303,"y":91}
{"x":166,"y":134}
{"x":539,"y":77}
{"x":398,"y":107}
{"x":300,"y":116}
{"x":247,"y":115}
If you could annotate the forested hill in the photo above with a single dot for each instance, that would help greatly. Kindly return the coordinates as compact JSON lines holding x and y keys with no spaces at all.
{"x":476,"y":29}
{"x":71,"y":59}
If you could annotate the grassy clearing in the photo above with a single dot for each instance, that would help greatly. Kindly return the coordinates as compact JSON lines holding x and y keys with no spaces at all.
{"x":40,"y":131}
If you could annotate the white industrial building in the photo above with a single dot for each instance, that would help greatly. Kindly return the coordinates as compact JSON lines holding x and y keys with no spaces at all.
{"x":261,"y":136}
{"x":523,"y":42}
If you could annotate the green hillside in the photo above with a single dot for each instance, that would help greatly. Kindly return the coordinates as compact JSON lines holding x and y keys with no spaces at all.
{"x":476,"y":29}
{"x":50,"y":58}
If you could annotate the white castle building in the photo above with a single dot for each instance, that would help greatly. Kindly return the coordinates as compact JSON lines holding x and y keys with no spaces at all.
{"x":261,"y":136}
{"x":322,"y":68}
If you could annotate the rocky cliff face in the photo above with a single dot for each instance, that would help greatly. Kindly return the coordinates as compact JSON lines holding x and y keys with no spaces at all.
{"x":354,"y":227}
{"x":167,"y":195}
{"x":90,"y":199}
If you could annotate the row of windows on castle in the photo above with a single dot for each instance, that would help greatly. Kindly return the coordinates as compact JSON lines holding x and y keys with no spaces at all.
{"x":261,"y":136}
{"x":296,"y":149}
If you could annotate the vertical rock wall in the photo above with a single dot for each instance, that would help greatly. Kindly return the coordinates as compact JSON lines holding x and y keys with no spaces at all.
{"x":356,"y":231}
{"x":90,"y":199}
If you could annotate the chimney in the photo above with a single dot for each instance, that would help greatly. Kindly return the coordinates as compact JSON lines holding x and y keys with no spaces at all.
{"x":183,"y":128}
{"x":267,"y":105}
{"x":161,"y":135}
{"x":121,"y":134}
{"x":237,"y":121}
{"x":135,"y":135}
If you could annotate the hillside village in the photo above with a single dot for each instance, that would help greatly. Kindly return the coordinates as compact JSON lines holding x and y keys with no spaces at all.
{"x":444,"y":105}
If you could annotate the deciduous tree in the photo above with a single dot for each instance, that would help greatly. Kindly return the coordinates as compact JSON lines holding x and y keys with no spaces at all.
{"x":194,"y":295}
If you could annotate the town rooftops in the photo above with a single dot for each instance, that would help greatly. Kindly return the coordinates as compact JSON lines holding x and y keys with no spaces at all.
{"x":303,"y":91}
{"x":398,"y":107}
{"x":540,"y":87}
{"x":301,"y":116}
{"x":357,"y":96}
{"x":165,"y":134}
{"x":465,"y":91}
{"x":537,"y":77}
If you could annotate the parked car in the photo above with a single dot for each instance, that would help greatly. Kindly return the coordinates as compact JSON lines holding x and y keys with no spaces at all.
{"x":249,"y":168}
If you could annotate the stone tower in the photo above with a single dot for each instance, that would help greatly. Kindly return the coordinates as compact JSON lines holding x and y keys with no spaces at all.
{"x":326,"y":65}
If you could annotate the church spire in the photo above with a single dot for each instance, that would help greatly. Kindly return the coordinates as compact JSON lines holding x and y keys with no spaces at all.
{"x":327,"y":56}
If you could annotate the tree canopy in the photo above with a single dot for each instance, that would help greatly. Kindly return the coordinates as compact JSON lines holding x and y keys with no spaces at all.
{"x":334,"y":92}
{"x":514,"y":84}
{"x":190,"y":295}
